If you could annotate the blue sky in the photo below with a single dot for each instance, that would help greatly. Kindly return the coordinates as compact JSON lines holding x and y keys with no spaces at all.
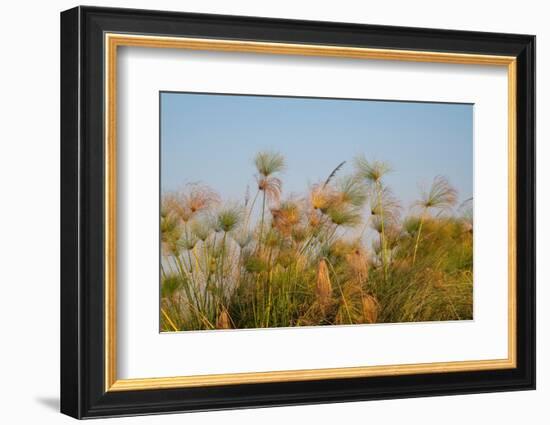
{"x":212,"y":139}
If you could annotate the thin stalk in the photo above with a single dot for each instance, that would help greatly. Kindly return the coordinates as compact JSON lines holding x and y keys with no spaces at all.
{"x":418,"y":237}
{"x":382,"y":233}
{"x":189,"y":287}
{"x":268,"y":282}
{"x":262,"y":220}
{"x":197,"y":261}
{"x":329,"y":237}
{"x":251,"y":209}
{"x":190,"y":262}
{"x":170,"y":322}
{"x":207,"y":275}
{"x":223,"y":261}
{"x":341,"y":291}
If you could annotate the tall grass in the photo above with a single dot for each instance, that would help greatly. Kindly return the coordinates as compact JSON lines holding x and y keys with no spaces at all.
{"x":340,"y":254}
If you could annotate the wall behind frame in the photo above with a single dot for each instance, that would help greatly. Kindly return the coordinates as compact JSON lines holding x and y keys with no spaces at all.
{"x":29,"y":219}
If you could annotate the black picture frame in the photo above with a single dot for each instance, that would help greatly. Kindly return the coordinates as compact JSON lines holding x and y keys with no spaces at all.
{"x":82,"y":212}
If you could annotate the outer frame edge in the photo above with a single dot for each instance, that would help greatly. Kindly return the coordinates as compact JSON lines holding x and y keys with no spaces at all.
{"x":70,"y":348}
{"x":524,"y":379}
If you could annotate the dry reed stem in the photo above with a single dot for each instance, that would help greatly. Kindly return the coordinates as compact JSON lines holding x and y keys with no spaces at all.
{"x":224,"y":321}
{"x":324,"y":287}
{"x":370,"y":309}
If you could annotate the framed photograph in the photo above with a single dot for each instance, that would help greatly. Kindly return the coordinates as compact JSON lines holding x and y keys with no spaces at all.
{"x":261,"y":212}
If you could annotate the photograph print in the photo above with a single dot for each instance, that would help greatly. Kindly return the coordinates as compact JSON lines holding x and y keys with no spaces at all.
{"x":283,"y":211}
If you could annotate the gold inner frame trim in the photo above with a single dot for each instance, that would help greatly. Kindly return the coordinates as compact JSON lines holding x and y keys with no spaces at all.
{"x":113,"y":41}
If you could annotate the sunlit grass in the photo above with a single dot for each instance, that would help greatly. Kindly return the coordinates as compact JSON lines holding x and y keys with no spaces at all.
{"x":339,"y":254}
